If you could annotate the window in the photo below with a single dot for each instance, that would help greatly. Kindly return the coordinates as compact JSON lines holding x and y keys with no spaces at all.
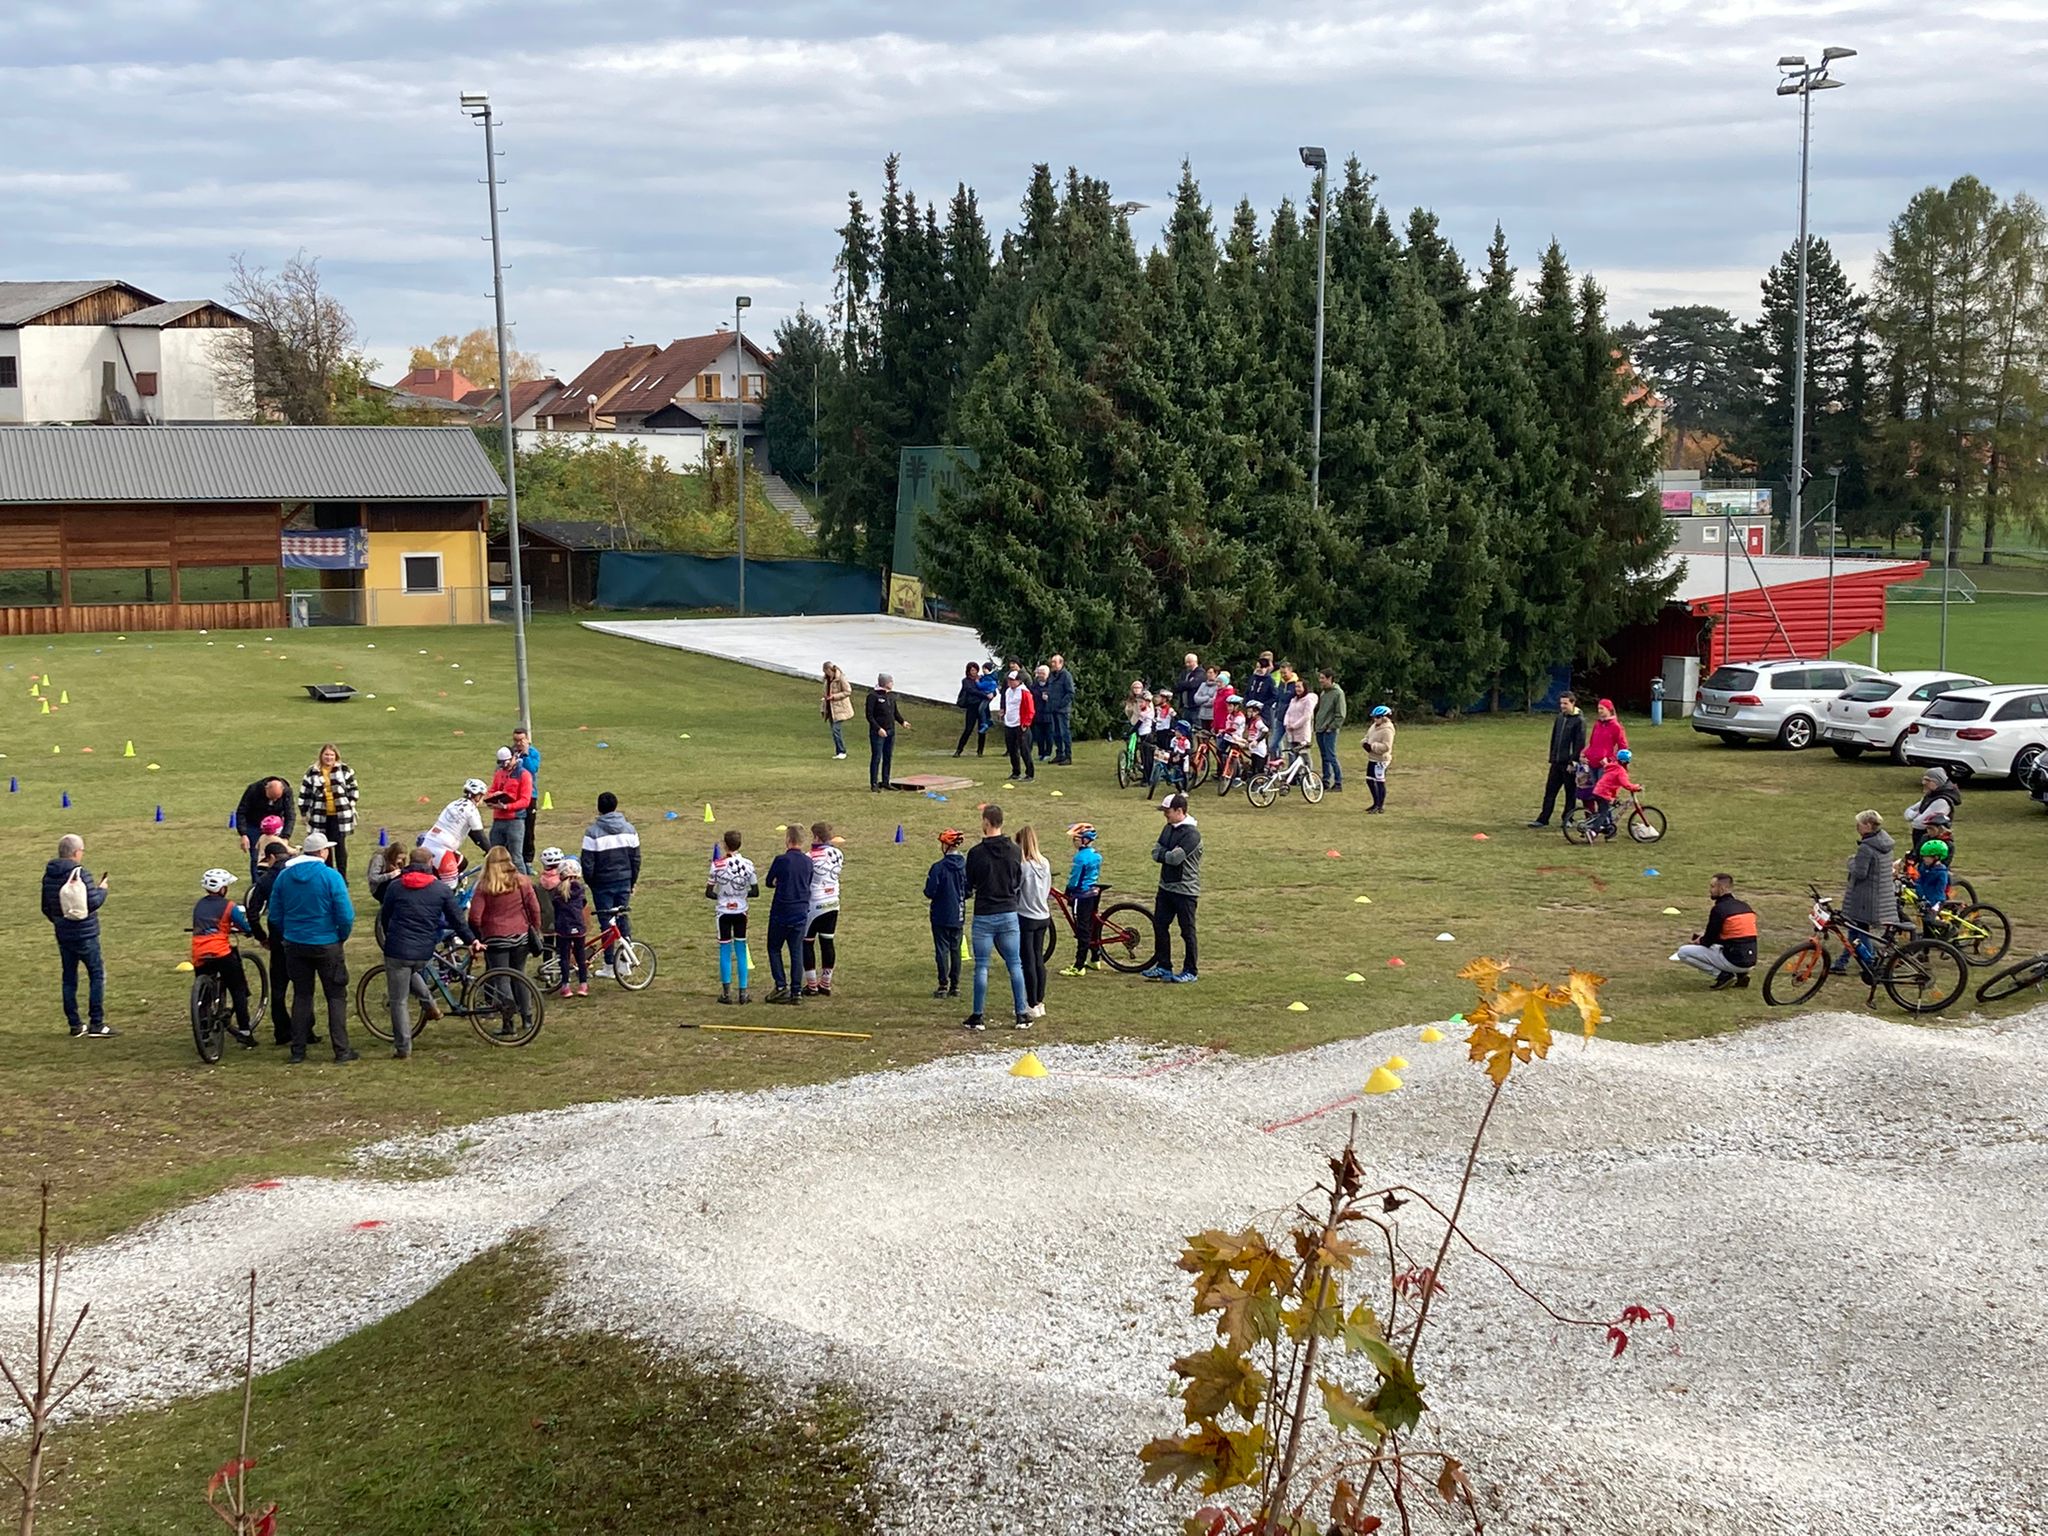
{"x":10,"y":373}
{"x":1833,"y":679}
{"x":1791,"y":680}
{"x":422,"y":572}
{"x":1949,"y":707}
{"x":1712,"y":531}
{"x":2032,"y":706}
{"x":31,"y":589}
{"x":1874,"y":689}
{"x":136,"y":584}
{"x":1731,"y":680}
{"x":757,"y":386}
{"x":709,"y":387}
{"x":227,"y":583}
{"x":1945,"y":685}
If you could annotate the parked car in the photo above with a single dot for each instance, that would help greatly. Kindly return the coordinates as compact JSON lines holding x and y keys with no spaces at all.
{"x":1873,"y":714}
{"x":1779,"y":701}
{"x":1990,"y":733}
{"x":2036,"y":781}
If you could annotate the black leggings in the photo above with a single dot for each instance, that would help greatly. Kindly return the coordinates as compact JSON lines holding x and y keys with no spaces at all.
{"x":1085,"y":904}
{"x":820,"y":939}
{"x":972,"y":719}
{"x":229,"y":969}
{"x":1031,"y":934}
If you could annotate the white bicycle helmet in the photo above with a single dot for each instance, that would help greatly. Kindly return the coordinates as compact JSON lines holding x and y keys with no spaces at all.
{"x":214,"y":881}
{"x":474,"y":787}
{"x":550,"y":858}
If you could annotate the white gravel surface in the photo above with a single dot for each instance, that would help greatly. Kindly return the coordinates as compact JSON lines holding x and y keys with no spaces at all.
{"x":1845,"y":1214}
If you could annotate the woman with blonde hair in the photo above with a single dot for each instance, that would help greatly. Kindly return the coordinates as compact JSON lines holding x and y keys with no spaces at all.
{"x":505,"y":914}
{"x":1034,"y":919}
{"x":836,"y":705}
{"x":327,"y":803}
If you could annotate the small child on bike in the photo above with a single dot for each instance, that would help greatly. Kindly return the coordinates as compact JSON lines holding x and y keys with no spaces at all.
{"x":1613,"y":780}
{"x":1255,"y":729}
{"x":572,"y":926}
{"x":1176,"y":747}
{"x":215,"y":922}
{"x":1927,"y":872}
{"x":945,"y":887}
{"x":1084,"y":894}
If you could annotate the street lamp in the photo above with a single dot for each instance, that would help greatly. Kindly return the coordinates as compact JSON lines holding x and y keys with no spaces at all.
{"x":1802,"y":80}
{"x":1313,"y":157}
{"x":740,"y":306}
{"x":476,"y":106}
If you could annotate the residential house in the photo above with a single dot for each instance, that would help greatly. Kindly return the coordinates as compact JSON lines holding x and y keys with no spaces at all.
{"x":580,"y":405}
{"x":529,"y":398}
{"x":111,"y":352}
{"x":695,"y":387}
{"x":449,"y":384}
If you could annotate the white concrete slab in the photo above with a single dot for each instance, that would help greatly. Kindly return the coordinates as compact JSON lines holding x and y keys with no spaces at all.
{"x":925,"y":659}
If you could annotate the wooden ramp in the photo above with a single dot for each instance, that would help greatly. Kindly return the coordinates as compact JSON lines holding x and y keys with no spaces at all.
{"x":930,"y":783}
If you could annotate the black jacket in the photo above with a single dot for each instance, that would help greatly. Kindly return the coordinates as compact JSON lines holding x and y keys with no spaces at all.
{"x":259,"y":902}
{"x":1567,"y":739}
{"x":883,"y":715}
{"x":72,"y":930}
{"x":1184,"y":694}
{"x":968,"y":699}
{"x":995,"y":875}
{"x":418,"y":907}
{"x":256,"y":805}
{"x":1059,"y":690}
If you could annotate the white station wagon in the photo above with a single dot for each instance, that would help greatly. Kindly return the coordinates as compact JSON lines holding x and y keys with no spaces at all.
{"x":1873,"y":714}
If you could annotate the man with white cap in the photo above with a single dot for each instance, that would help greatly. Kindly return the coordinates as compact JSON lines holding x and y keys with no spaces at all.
{"x":312,"y":913}
{"x":511,"y":792}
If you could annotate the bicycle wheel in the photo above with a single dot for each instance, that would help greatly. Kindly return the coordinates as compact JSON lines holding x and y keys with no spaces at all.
{"x":1796,"y":974}
{"x":504,"y":1007}
{"x":2015,"y":979}
{"x":1125,"y":766}
{"x":1646,"y":824}
{"x":1261,"y":791}
{"x":1926,"y":975}
{"x":373,"y":1005}
{"x":549,"y":972}
{"x":1312,"y":787}
{"x":1049,"y":943}
{"x":1575,"y":827}
{"x":633,"y":964}
{"x":1123,"y":936}
{"x":1961,"y":890}
{"x":1227,"y":777}
{"x":1983,"y":934}
{"x":209,"y":1017}
{"x":259,"y":986}
{"x":1200,"y":766}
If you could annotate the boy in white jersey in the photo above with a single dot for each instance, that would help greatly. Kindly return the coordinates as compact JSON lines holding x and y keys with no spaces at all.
{"x":460,"y":819}
{"x":821,"y":935}
{"x":733,"y":881}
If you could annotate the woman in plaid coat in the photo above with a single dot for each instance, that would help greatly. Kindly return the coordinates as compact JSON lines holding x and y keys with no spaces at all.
{"x":327,"y":802}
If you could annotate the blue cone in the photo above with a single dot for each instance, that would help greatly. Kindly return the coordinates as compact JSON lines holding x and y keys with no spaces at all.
{"x":159,"y":813}
{"x":13,"y":785}
{"x":1651,"y":873}
{"x":67,"y":806}
{"x":668,"y":816}
{"x":899,"y":831}
{"x":231,"y":823}
{"x":383,"y":838}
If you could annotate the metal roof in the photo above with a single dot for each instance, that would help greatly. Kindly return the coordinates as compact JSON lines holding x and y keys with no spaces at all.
{"x":243,"y":463}
{"x":177,"y":309}
{"x":22,"y":302}
{"x":1701,"y":575}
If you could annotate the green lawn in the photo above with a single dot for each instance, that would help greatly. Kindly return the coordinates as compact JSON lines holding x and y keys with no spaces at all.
{"x":2000,"y":636}
{"x":128,"y":1127}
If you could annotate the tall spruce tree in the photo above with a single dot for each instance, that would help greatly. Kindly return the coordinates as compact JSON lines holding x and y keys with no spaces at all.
{"x":799,"y":382}
{"x":859,"y":472}
{"x":1692,"y":356}
{"x":1834,"y":327}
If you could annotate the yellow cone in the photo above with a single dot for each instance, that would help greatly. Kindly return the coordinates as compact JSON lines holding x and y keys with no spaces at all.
{"x":129,"y":750}
{"x":55,"y":749}
{"x":1059,"y":794}
{"x":547,"y":801}
{"x":707,"y":812}
{"x":1009,"y":786}
{"x":64,"y":697}
{"x":35,"y":690}
{"x":966,"y":949}
{"x":156,"y":767}
{"x":1431,"y":1035}
{"x":1028,"y":1065}
{"x":1397,"y":1063}
{"x":46,"y":706}
{"x":1672,"y":912}
{"x":1354,"y":976}
{"x":1363,"y":901}
{"x":46,"y":679}
{"x":1297,"y":1007}
{"x":1381,"y":1081}
{"x":184,"y":965}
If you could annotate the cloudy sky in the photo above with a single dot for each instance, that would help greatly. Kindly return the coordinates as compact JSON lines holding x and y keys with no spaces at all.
{"x":661,"y":157}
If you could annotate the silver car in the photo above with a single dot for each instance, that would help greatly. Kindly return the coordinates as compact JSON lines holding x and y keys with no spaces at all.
{"x":1779,"y":701}
{"x":1874,"y":715}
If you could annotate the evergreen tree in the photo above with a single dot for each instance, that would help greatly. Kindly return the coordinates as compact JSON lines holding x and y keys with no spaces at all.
{"x":1692,"y":356}
{"x":860,"y":459}
{"x":799,"y":382}
{"x":1438,"y":267}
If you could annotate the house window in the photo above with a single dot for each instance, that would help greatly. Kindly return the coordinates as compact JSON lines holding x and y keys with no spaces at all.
{"x":422,"y":573}
{"x":709,"y":387}
{"x":10,"y":373}
{"x":227,"y":583}
{"x":30,"y":589}
{"x":1712,"y":532}
{"x":137,"y":584}
{"x":757,"y":386}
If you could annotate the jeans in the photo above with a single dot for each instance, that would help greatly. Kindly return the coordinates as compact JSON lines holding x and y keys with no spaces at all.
{"x":607,"y":902}
{"x":1376,"y":781}
{"x":1062,"y":735}
{"x":786,"y":939}
{"x":1017,"y":742}
{"x":508,"y":955}
{"x":71,"y":954}
{"x":1711,"y":959}
{"x":510,"y":834}
{"x":1333,"y":769}
{"x":525,"y":841}
{"x":401,"y":981}
{"x":1168,"y":908}
{"x":838,"y":739}
{"x":1041,"y":736}
{"x":1561,"y":778}
{"x":946,"y":953}
{"x":304,"y":962}
{"x":280,"y":992}
{"x":997,"y":931}
{"x":881,"y":749}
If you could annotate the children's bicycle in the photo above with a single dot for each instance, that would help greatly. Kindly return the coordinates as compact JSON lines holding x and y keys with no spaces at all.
{"x":2015,"y":979}
{"x":1982,"y":933}
{"x":503,"y":1006}
{"x":1202,"y":759}
{"x":213,"y":1011}
{"x":1921,"y":975}
{"x":1129,"y":768}
{"x":1233,"y":768}
{"x":1122,"y":937}
{"x":632,"y":959}
{"x":1275,"y":782}
{"x":1643,"y":823}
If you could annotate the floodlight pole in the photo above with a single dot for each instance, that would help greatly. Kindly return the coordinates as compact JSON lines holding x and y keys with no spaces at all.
{"x":1319,"y":162}
{"x":1948,"y":514}
{"x":739,"y":437}
{"x":478,"y":106}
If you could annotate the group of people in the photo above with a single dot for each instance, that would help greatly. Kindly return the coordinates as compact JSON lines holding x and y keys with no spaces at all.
{"x":1589,"y":767}
{"x":803,"y":913}
{"x":1033,"y":706}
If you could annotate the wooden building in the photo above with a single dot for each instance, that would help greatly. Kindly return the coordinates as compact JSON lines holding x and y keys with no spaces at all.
{"x":145,"y":528}
{"x":558,"y":560}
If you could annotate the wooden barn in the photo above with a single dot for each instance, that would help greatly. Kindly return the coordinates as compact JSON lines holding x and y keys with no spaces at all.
{"x":116,"y":528}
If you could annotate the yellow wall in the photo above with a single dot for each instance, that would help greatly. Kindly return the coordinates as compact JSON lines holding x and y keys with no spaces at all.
{"x":463,"y":598}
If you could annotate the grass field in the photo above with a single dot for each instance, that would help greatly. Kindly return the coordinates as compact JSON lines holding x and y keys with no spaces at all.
{"x":2003,"y":637}
{"x":131,"y":1126}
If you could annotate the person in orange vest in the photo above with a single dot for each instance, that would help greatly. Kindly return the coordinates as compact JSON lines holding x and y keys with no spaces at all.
{"x":1726,"y":948}
{"x":216,"y":919}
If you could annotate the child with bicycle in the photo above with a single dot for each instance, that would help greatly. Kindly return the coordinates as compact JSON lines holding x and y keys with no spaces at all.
{"x":1927,"y":875}
{"x":1613,"y":780}
{"x":215,"y":921}
{"x":1176,"y":747}
{"x":572,"y":926}
{"x":1084,"y":895}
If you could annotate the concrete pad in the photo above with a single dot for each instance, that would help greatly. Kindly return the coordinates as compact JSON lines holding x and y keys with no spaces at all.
{"x":925,"y":659}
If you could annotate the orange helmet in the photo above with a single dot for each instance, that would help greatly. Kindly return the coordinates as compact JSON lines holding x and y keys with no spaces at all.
{"x":952,"y":837}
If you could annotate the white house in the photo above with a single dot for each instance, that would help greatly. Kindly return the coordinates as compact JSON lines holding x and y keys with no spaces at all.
{"x":108,"y":351}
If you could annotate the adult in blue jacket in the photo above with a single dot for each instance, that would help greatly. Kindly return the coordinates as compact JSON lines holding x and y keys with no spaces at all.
{"x":312,"y":913}
{"x":528,"y":756}
{"x":419,"y":907}
{"x":78,"y":938}
{"x":1059,"y":703}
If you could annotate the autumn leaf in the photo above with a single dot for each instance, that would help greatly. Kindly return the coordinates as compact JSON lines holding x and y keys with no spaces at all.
{"x":1219,"y":1379}
{"x":1262,"y":1268}
{"x":1585,"y":990}
{"x":1205,"y":1455}
{"x":1483,"y":973}
{"x":1228,"y":1297}
{"x":1534,"y":1030}
{"x":1348,"y":1413}
{"x":1453,"y":1485}
{"x":1263,"y":1312}
{"x":1499,"y":1051}
{"x":1398,"y":1404}
{"x":1347,"y":1512}
{"x":1619,"y":1340}
{"x":226,"y":1471}
{"x":1361,"y":1327}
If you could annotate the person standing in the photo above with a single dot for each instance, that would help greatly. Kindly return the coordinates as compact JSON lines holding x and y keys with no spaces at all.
{"x":1178,"y":853}
{"x":1220,"y":707}
{"x":969,"y":703}
{"x":1084,"y":895}
{"x":885,"y":719}
{"x":1263,"y":690}
{"x":419,"y":907}
{"x":611,"y":868}
{"x":1041,"y":713}
{"x":1205,"y":699}
{"x":1726,"y":948}
{"x":505,"y":912}
{"x":1379,"y":757}
{"x":789,"y":912}
{"x":1609,"y":736}
{"x":1567,"y":746}
{"x":1018,"y":711}
{"x":1871,"y":899}
{"x":71,"y":901}
{"x":995,"y":878}
{"x":821,"y":928}
{"x":311,"y":910}
{"x":271,"y":854}
{"x":945,"y":887}
{"x":1034,"y":918}
{"x":327,"y":804}
{"x":836,"y":706}
{"x":732,"y":884}
{"x":528,"y":757}
{"x":266,"y":797}
{"x":1300,"y":719}
{"x":510,"y":794}
{"x":1059,"y":704}
{"x":1328,"y":721}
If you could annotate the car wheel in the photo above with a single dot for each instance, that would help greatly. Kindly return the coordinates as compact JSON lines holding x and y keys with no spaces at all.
{"x":1796,"y":733}
{"x":1847,"y":751}
{"x":1898,"y":750}
{"x":2023,"y":765}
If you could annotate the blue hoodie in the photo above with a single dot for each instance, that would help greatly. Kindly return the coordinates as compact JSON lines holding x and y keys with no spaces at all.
{"x":72,"y":930}
{"x":309,"y":904}
{"x":945,"y":887}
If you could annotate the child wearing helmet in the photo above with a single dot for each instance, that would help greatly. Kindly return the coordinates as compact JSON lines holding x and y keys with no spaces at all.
{"x":216,"y":919}
{"x":1928,"y":873}
{"x":545,"y":886}
{"x":571,"y":924}
{"x":1256,"y":727}
{"x":1613,"y":780}
{"x":1084,"y":894}
{"x":459,"y":819}
{"x":945,"y":887}
{"x":1379,"y":756}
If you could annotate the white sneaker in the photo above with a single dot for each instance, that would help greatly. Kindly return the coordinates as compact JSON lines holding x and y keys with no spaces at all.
{"x":839,"y":757}
{"x":1038,"y":1010}
{"x":602,"y":970}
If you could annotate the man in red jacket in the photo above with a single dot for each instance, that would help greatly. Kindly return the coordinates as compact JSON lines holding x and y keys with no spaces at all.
{"x":511,"y":792}
{"x":1018,"y":713}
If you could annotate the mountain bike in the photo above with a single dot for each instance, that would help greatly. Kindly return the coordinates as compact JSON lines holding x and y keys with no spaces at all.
{"x":213,"y":1011}
{"x":1233,"y":767}
{"x":502,"y":1005}
{"x":1202,"y":759}
{"x":1921,"y":975}
{"x":1275,"y":782}
{"x":1129,"y":769}
{"x":1644,"y":823}
{"x":1122,"y":937}
{"x":1982,"y":933}
{"x":466,"y":878}
{"x":632,"y":959}
{"x":2015,"y":979}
